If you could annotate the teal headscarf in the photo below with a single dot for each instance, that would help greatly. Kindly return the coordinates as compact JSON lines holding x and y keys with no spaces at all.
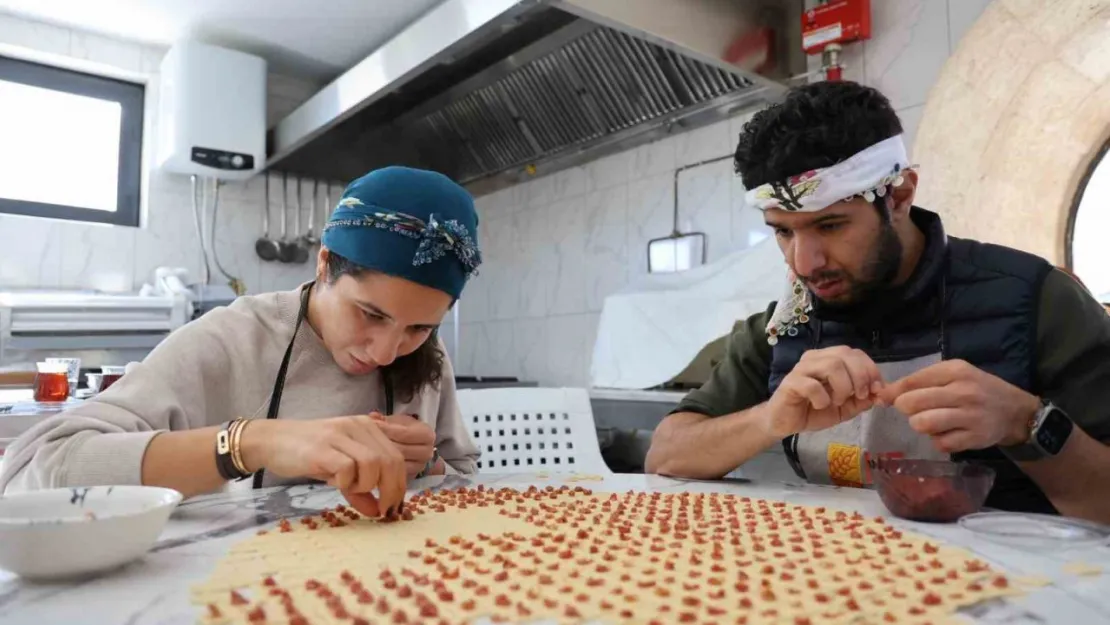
{"x":410,"y":223}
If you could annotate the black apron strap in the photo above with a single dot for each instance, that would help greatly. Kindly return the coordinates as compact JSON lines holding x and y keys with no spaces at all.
{"x":279,"y":382}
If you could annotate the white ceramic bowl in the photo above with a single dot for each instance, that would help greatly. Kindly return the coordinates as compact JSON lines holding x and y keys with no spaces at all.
{"x":73,"y":532}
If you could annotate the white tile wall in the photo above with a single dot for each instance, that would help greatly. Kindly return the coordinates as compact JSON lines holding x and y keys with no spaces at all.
{"x":554,"y":247}
{"x":594,"y":222}
{"x":42,"y":253}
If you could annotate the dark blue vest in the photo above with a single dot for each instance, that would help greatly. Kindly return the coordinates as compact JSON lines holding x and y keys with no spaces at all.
{"x":968,"y":300}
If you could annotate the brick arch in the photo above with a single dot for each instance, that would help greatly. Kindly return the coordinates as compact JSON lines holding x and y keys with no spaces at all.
{"x":1014,"y":120}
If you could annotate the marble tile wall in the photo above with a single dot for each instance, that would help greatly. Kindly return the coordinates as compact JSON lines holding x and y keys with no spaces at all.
{"x":43,"y":253}
{"x":557,"y":246}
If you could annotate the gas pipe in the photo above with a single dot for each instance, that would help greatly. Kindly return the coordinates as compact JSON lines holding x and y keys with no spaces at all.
{"x":830,"y":25}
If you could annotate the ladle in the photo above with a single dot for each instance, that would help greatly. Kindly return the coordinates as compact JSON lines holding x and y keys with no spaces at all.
{"x":300,"y":253}
{"x":265,"y":247}
{"x":287,"y":252}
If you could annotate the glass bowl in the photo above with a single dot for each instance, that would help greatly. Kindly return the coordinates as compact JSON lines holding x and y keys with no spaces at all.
{"x":934,"y":491}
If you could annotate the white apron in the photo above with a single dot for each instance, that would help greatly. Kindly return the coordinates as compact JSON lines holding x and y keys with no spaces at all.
{"x":845,"y":454}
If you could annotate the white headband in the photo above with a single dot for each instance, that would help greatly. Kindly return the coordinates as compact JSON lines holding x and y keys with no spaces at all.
{"x":867,"y":173}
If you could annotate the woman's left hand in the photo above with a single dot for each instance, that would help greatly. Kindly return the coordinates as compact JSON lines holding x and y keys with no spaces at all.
{"x":414,"y":438}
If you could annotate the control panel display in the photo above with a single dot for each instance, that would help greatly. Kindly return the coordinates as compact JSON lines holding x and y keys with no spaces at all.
{"x":220,"y":159}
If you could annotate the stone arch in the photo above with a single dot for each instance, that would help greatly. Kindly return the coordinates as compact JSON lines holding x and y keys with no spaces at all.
{"x":1012,"y":124}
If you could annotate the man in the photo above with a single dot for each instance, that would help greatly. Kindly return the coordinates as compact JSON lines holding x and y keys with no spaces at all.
{"x":895,"y":340}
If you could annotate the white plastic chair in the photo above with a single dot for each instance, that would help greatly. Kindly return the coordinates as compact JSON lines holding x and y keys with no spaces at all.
{"x":533,"y":429}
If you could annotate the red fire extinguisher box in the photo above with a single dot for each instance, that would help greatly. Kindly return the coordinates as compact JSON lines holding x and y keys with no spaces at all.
{"x":836,"y":21}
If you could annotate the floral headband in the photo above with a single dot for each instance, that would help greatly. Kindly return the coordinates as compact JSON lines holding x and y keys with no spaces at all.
{"x":435,"y":237}
{"x":867,"y":174}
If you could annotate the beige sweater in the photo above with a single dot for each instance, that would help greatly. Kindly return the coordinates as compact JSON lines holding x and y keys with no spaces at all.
{"x":216,"y":368}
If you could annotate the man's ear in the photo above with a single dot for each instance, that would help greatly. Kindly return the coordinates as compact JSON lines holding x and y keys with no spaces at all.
{"x":903,"y":194}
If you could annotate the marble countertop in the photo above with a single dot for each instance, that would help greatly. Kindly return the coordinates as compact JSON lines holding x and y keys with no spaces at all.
{"x":155,"y":589}
{"x":618,"y":394}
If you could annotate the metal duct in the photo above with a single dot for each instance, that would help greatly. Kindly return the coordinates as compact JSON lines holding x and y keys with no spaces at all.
{"x":520,"y":87}
{"x":598,"y":84}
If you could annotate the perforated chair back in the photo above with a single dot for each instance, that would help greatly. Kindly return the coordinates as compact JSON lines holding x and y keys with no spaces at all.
{"x":533,"y":429}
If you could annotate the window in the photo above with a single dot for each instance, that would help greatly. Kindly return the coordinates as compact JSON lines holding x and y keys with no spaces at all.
{"x":677,"y":252}
{"x":70,"y":144}
{"x":1089,"y":229}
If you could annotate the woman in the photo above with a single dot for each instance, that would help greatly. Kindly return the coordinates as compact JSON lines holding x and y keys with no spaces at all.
{"x":294,"y":385}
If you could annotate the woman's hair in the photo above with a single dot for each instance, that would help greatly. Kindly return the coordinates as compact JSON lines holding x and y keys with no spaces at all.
{"x":409,"y":374}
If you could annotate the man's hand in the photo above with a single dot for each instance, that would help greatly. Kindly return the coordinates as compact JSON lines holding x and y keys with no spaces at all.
{"x":963,"y":407}
{"x":413,"y":438}
{"x":826,"y":387}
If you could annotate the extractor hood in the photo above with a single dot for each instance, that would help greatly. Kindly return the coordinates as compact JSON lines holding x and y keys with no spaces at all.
{"x":491,"y":92}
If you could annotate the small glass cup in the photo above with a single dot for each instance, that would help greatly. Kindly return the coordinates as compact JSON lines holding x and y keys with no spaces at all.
{"x":73,"y":371}
{"x":52,"y":382}
{"x":109,"y":376}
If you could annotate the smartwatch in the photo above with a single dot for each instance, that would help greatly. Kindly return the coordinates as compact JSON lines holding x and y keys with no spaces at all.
{"x":1048,"y":432}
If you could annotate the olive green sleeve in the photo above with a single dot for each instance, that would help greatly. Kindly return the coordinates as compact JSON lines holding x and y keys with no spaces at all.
{"x":739,"y":381}
{"x":1073,"y":353}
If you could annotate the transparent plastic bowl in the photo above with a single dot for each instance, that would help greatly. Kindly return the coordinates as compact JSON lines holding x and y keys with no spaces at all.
{"x":934,"y":491}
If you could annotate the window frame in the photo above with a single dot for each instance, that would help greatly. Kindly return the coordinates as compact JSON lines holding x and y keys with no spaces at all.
{"x":131,"y":97}
{"x":1077,"y":202}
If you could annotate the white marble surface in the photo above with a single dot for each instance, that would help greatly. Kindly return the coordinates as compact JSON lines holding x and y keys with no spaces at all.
{"x":620,"y":394}
{"x":156,"y":588}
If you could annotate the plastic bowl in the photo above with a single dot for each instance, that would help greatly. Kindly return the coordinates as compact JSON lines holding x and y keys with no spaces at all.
{"x":934,"y":491}
{"x":75,"y":532}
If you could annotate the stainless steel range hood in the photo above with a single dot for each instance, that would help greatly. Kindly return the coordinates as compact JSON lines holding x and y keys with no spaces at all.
{"x":491,"y":92}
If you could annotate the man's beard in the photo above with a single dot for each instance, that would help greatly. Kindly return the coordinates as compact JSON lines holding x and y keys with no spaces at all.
{"x":878,"y":272}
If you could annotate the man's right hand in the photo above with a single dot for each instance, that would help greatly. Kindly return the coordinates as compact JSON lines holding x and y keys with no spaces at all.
{"x":349,"y":453}
{"x":827,"y":387}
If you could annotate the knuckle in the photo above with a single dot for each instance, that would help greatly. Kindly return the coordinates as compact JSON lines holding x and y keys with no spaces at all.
{"x":347,"y":464}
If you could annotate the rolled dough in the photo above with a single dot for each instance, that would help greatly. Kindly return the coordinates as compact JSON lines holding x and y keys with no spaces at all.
{"x":572,"y":556}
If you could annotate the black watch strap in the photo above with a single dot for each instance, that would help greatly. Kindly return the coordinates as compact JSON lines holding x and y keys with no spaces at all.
{"x":225,"y":463}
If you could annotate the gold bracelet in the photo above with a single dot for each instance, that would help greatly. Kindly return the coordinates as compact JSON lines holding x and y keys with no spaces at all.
{"x":236,"y":447}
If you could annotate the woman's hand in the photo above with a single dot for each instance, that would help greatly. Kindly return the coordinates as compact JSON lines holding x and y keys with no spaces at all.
{"x":414,"y":438}
{"x":349,"y":453}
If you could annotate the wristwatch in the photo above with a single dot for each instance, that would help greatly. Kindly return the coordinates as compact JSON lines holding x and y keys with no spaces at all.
{"x":431,"y":464}
{"x":1048,"y":432}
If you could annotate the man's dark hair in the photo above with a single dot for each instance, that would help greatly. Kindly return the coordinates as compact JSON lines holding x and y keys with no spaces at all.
{"x":409,"y":374}
{"x":817,"y":125}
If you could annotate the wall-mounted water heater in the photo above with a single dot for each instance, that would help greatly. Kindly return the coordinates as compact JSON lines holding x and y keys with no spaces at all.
{"x":212,"y":112}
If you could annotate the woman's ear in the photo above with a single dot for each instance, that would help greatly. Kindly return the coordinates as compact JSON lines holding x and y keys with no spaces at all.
{"x":321,"y":264}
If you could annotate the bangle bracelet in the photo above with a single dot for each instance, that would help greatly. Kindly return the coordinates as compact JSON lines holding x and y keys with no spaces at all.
{"x":237,"y":448}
